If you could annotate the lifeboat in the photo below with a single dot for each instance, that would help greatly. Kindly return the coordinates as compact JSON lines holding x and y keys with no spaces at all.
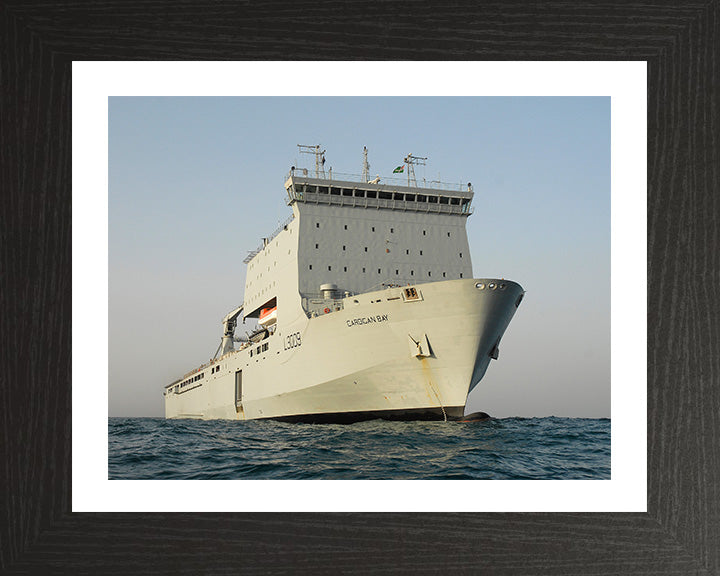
{"x":268,"y":316}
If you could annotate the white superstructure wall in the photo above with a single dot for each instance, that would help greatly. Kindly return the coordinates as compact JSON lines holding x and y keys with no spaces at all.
{"x":273,"y":273}
{"x":359,"y":237}
{"x":360,"y":249}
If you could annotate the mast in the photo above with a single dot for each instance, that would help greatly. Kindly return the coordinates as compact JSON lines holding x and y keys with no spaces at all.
{"x":411,"y":160}
{"x":366,"y":166}
{"x":319,"y":158}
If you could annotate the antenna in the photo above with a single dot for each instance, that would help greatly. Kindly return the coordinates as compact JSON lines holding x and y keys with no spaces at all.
{"x":319,"y":158}
{"x":411,"y":160}
{"x":366,"y":165}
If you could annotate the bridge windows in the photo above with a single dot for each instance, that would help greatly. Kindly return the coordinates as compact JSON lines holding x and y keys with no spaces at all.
{"x":405,"y":201}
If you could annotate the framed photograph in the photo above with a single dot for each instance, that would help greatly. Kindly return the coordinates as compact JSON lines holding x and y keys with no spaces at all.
{"x":656,"y":515}
{"x":537,"y":140}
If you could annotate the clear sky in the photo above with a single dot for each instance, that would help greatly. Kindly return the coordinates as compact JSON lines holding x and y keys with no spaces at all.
{"x":194,"y":183}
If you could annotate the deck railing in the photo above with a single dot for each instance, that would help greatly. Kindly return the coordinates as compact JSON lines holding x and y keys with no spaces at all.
{"x":381,"y":180}
{"x":269,"y":239}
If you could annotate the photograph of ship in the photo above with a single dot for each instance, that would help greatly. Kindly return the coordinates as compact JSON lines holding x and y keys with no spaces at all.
{"x":281,"y":266}
{"x":366,"y":307}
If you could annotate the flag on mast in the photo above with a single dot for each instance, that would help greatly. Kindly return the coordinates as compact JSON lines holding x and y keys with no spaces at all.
{"x":399,"y":169}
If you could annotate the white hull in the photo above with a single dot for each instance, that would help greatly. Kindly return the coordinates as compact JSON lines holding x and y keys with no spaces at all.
{"x":361,"y":362}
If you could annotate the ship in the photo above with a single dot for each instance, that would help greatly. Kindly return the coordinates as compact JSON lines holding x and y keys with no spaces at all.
{"x":361,"y":305}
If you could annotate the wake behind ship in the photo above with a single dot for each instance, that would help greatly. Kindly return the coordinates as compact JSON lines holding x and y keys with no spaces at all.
{"x":365,"y":306}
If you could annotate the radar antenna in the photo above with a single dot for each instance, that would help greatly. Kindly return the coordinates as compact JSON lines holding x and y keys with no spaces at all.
{"x":319,"y":158}
{"x":411,"y":161}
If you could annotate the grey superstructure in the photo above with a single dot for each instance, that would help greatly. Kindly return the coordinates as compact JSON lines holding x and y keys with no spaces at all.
{"x":366,"y":307}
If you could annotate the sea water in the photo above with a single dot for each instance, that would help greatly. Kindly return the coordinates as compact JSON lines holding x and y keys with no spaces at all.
{"x":507,"y":448}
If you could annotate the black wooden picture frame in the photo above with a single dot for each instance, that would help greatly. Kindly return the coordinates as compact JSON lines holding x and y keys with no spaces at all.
{"x":680,"y":533}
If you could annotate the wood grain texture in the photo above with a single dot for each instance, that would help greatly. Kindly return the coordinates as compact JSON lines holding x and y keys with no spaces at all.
{"x":680,"y":534}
